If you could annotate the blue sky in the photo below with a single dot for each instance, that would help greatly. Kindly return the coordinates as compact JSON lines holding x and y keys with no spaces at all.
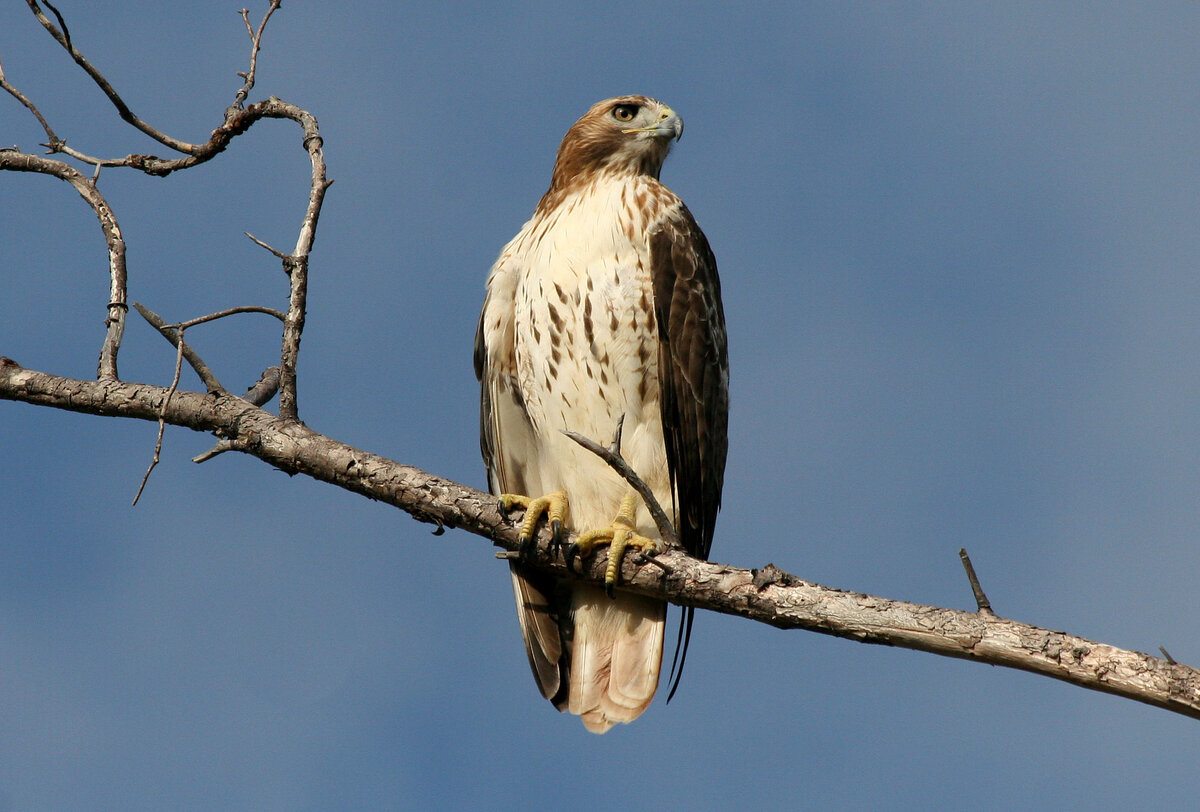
{"x":959,"y":254}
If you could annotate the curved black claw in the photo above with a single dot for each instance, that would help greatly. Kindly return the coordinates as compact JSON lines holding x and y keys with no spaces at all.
{"x":570,"y":555}
{"x":608,"y":588}
{"x":556,"y":530}
{"x":525,"y":547}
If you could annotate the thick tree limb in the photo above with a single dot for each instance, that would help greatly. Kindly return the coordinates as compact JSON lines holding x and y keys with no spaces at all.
{"x":767,"y":595}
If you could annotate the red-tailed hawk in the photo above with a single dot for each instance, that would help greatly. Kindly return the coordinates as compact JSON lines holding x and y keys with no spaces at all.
{"x":605,"y":306}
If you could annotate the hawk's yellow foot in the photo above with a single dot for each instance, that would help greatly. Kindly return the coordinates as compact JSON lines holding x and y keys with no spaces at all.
{"x":553,"y":506}
{"x":619,"y":536}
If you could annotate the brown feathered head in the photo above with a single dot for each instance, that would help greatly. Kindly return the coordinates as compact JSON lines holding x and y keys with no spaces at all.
{"x":628,"y":134}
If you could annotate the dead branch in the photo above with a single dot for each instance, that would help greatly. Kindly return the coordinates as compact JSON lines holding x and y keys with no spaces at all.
{"x":255,"y":45}
{"x":62,"y":36}
{"x":767,"y":594}
{"x":612,"y":456}
{"x":16,"y":161}
{"x":238,"y":119}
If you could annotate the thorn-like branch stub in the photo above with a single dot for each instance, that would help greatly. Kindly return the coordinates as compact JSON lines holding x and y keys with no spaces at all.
{"x":981,"y":600}
{"x":615,"y":461}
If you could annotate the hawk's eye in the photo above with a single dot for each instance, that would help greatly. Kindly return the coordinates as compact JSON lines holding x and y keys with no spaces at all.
{"x":625,"y":112}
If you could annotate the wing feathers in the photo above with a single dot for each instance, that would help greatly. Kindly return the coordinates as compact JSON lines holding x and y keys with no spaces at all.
{"x":694,"y":375}
{"x":539,"y":621}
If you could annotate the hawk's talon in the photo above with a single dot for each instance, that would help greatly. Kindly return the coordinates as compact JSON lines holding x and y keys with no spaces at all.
{"x":553,"y":506}
{"x":570,"y":554}
{"x":619,"y":536}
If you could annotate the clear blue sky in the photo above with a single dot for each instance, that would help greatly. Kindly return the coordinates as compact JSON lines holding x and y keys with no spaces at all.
{"x":961,"y":267}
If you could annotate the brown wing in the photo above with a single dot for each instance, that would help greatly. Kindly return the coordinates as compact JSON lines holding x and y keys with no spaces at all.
{"x":693,"y":368}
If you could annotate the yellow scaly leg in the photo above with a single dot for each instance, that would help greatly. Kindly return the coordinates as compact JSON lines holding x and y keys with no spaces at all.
{"x":619,"y":536}
{"x":553,"y":506}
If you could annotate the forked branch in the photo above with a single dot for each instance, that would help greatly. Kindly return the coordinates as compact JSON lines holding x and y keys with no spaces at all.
{"x":237,"y":120}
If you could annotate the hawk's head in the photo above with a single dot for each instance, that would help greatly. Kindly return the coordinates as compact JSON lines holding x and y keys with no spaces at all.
{"x":627,"y":134}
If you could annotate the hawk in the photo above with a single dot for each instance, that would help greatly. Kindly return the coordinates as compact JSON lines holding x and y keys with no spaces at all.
{"x":605,"y":309}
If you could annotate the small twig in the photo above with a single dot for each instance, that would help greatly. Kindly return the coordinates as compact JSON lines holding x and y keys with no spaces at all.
{"x":232,"y":311}
{"x":1167,"y":656}
{"x":615,"y":461}
{"x":175,"y":336}
{"x":981,"y":600}
{"x":62,"y":23}
{"x":162,"y":417}
{"x":255,"y":45}
{"x":21,"y":97}
{"x":278,"y":254}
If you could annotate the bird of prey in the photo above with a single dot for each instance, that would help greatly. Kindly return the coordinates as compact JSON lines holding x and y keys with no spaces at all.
{"x":606,"y":307}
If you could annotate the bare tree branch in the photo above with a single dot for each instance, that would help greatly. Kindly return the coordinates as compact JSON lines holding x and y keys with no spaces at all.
{"x":16,"y":161}
{"x":613,"y":457}
{"x":766,"y":594}
{"x":255,"y":45}
{"x":296,"y":267}
{"x":63,"y":37}
{"x":237,"y":121}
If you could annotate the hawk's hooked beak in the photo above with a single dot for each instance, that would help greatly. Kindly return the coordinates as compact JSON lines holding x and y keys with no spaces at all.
{"x":669,"y":125}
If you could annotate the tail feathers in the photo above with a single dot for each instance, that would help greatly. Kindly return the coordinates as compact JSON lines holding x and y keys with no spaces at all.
{"x":606,"y":669}
{"x":616,"y":656}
